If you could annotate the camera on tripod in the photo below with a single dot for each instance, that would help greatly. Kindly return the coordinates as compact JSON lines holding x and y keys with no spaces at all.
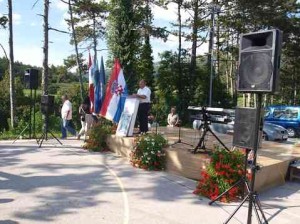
{"x":211,"y":115}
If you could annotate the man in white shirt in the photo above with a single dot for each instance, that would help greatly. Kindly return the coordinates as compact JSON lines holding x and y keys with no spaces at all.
{"x":143,"y":94}
{"x":66,"y":115}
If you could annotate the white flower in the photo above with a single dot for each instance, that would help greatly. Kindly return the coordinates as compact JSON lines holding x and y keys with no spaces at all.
{"x":148,"y":158}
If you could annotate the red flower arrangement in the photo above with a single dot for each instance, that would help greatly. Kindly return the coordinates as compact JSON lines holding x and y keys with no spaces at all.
{"x":225,"y":169}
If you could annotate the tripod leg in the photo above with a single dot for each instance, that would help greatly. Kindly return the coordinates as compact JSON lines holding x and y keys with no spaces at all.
{"x":20,"y":134}
{"x":38,"y":140}
{"x":225,"y":192}
{"x":41,"y":140}
{"x":240,"y":205}
{"x":258,"y":204}
{"x":218,"y":139}
{"x":201,"y":144}
{"x":256,"y":213}
{"x":55,"y":137}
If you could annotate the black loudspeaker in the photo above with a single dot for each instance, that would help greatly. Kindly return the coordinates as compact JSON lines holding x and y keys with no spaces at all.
{"x":47,"y":104}
{"x":259,"y":61}
{"x":31,"y":78}
{"x":244,"y":127}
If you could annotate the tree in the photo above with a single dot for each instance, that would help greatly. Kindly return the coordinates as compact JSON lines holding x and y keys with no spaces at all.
{"x":197,"y":22}
{"x":89,"y":22}
{"x":123,"y":37}
{"x":78,"y":63}
{"x":11,"y":66}
{"x":145,"y":62}
{"x":45,"y":73}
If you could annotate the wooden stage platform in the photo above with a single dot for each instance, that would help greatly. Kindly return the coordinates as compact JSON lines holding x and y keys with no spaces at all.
{"x":273,"y":157}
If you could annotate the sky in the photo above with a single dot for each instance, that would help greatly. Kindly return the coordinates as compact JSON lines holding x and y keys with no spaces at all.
{"x":28,"y":32}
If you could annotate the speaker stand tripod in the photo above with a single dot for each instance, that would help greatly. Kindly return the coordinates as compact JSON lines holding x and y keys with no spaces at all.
{"x":179,"y":141}
{"x":206,"y":128}
{"x":45,"y":133}
{"x":252,"y":196}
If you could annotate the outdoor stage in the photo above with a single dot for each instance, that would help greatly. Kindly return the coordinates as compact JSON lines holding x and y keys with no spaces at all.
{"x":273,"y":157}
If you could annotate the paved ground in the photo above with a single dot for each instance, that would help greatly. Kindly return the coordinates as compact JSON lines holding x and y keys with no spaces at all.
{"x":65,"y":184}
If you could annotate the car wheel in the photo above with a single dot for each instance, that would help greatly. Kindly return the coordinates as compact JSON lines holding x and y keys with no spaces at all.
{"x":291,"y":132}
{"x":265,"y":137}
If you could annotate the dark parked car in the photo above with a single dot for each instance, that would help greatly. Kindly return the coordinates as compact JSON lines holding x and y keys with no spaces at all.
{"x":271,"y":132}
{"x":285,"y":116}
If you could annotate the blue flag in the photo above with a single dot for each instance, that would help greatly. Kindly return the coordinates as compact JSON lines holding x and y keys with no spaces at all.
{"x":99,"y":85}
{"x":102,"y":81}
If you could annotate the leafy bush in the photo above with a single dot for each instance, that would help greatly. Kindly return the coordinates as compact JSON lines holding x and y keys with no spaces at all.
{"x":97,"y":137}
{"x":225,"y":169}
{"x":148,"y":152}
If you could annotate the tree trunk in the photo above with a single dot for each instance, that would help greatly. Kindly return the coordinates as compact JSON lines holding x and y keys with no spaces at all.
{"x":194,"y":42}
{"x":95,"y":38}
{"x":210,"y":61}
{"x":179,"y":53}
{"x":11,"y":66}
{"x":45,"y":73}
{"x":179,"y":38}
{"x":76,"y":50}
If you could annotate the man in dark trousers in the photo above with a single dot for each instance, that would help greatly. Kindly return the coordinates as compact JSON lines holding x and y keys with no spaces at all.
{"x":143,"y":94}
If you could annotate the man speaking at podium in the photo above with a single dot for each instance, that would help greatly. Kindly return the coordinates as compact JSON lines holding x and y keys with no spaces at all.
{"x":143,"y":95}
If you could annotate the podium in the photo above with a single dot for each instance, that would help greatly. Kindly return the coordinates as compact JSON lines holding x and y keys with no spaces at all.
{"x":128,"y":117}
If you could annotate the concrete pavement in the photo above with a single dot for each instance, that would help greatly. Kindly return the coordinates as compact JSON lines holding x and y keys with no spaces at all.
{"x":65,"y":184}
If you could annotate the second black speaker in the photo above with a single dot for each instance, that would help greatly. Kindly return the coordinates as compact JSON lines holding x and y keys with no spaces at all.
{"x":244,"y":127}
{"x":47,"y":104}
{"x":31,"y":78}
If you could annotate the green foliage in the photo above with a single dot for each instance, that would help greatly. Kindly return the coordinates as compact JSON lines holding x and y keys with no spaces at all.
{"x":97,"y":137}
{"x":123,"y":37}
{"x":145,"y":64}
{"x":194,"y":90}
{"x":3,"y":21}
{"x":92,"y":14}
{"x":21,"y":100}
{"x":148,"y":152}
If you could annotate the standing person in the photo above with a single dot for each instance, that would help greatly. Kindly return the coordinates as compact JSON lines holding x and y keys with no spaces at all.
{"x":84,"y":109}
{"x":144,"y":94}
{"x":173,"y":118}
{"x":66,"y":115}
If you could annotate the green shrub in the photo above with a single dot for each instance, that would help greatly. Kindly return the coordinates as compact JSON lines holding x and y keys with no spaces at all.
{"x":148,"y":152}
{"x":97,"y":137}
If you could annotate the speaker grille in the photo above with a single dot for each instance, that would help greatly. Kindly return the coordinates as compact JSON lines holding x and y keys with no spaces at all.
{"x":256,"y":71}
{"x":244,"y":127}
{"x":259,"y":61}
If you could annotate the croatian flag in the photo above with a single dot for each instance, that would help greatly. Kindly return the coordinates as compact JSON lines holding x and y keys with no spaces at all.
{"x":91,"y":84}
{"x":116,"y":92}
{"x":99,"y":83}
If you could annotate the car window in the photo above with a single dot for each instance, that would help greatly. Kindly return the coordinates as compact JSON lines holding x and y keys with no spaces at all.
{"x":291,"y":113}
{"x":267,"y":112}
{"x":286,"y":113}
{"x":278,"y":113}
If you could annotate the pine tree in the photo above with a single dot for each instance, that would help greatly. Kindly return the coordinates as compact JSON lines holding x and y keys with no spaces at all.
{"x":123,"y":37}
